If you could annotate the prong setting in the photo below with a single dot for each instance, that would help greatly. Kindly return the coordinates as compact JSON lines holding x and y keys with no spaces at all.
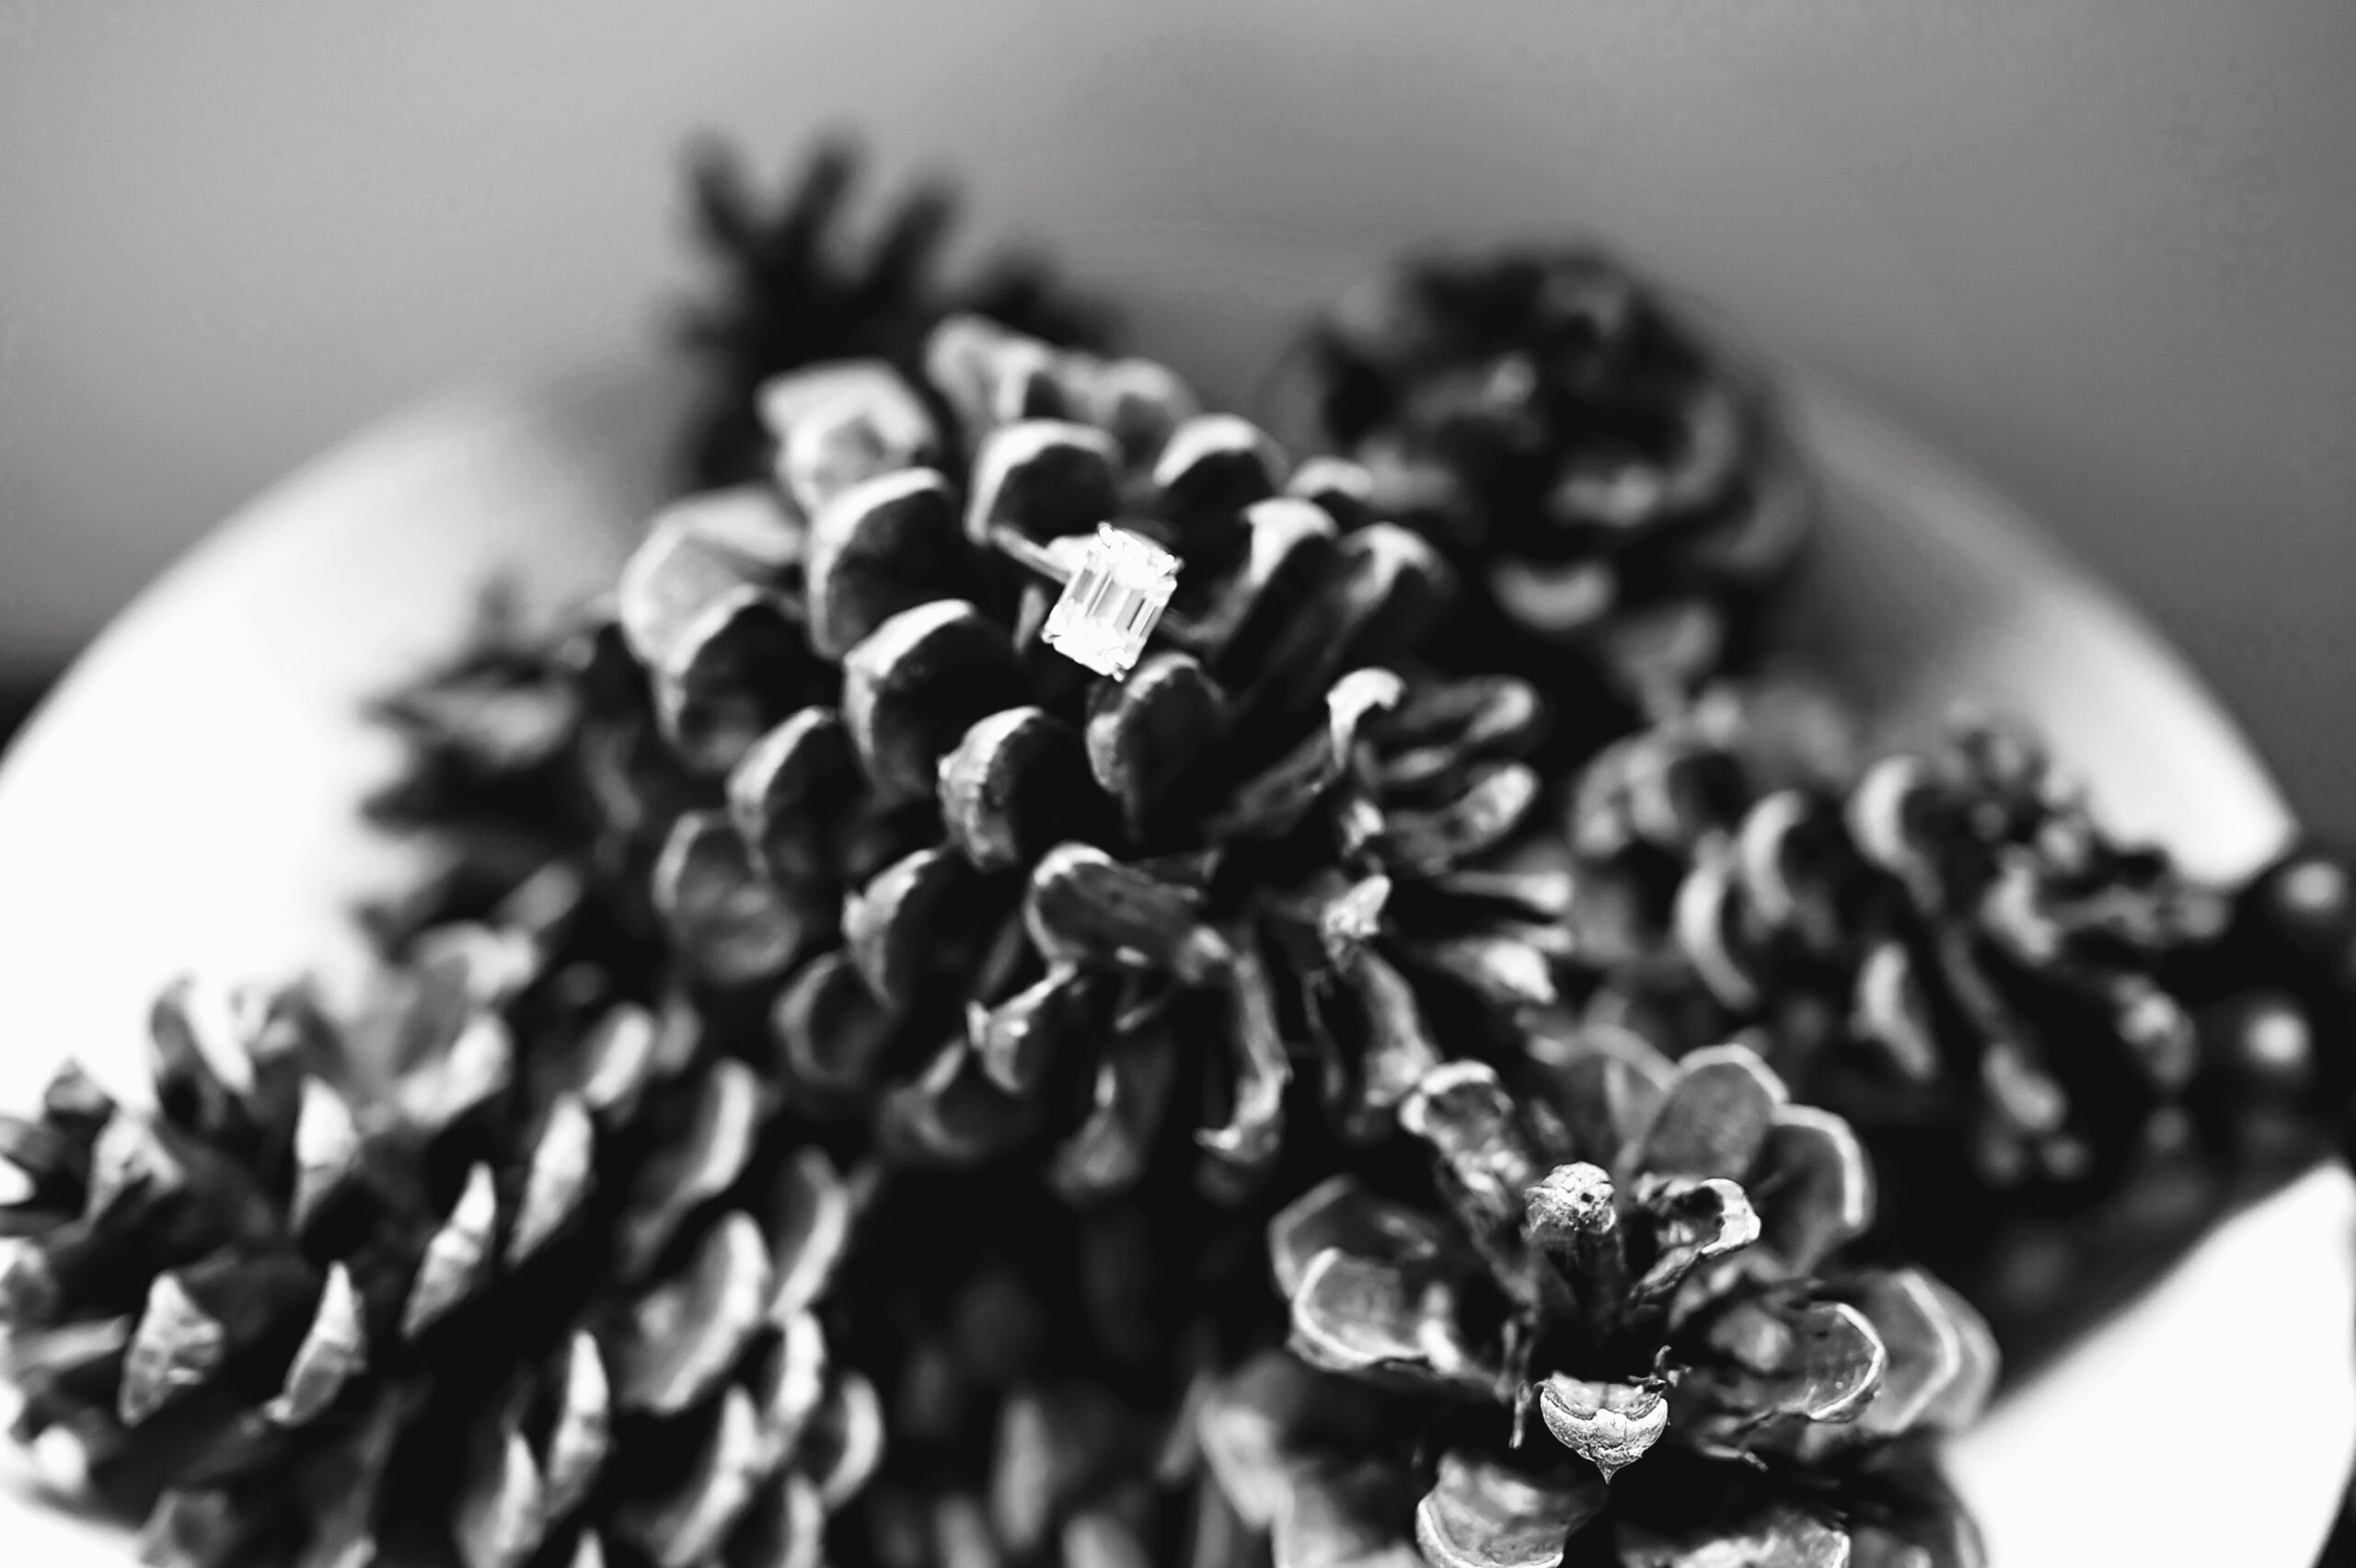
{"x":1110,"y":604}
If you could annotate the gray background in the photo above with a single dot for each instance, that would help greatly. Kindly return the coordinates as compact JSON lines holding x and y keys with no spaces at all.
{"x":2103,"y":250}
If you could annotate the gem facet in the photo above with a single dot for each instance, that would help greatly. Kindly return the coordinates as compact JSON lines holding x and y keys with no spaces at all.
{"x":1110,"y":604}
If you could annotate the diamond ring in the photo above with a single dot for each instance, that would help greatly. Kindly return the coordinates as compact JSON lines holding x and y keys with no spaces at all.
{"x":1116,"y":584}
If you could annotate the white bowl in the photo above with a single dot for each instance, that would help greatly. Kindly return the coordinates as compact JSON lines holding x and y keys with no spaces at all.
{"x":185,"y":802}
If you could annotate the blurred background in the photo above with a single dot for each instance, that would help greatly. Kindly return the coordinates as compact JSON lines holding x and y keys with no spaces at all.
{"x":2105,"y":254}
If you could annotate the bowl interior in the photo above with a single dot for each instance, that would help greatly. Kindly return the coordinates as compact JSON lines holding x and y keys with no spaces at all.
{"x":186,"y":803}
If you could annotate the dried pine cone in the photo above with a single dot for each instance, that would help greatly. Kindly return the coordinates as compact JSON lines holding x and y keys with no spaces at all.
{"x":511,"y":1273}
{"x":992,"y":893}
{"x":2276,"y":999}
{"x":794,"y":288}
{"x":2046,"y":1036}
{"x":1623,"y":480}
{"x":1652,"y":1303}
{"x":489,"y":781}
{"x":1327,"y":1469}
{"x":490,"y":775}
{"x":1034,"y":1362}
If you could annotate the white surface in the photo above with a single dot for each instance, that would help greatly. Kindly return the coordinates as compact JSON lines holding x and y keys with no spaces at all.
{"x":2209,"y":1425}
{"x":186,"y":801}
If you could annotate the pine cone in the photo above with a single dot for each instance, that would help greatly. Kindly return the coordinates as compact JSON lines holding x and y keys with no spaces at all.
{"x":490,"y":783}
{"x":1327,"y":1471}
{"x":2055,"y":1044}
{"x":794,"y":288}
{"x":990,"y":893}
{"x":2276,"y":996}
{"x":1652,"y":1304}
{"x":511,"y":1271}
{"x":488,"y":735}
{"x":1055,"y":1460}
{"x":1030,"y":1398}
{"x":1625,"y":482}
{"x":1071,"y":1485}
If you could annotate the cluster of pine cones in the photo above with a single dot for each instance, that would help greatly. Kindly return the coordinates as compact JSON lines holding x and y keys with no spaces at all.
{"x":1446,"y":1061}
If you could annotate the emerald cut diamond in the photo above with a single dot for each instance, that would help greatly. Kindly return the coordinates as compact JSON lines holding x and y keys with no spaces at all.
{"x":1112,"y":602}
